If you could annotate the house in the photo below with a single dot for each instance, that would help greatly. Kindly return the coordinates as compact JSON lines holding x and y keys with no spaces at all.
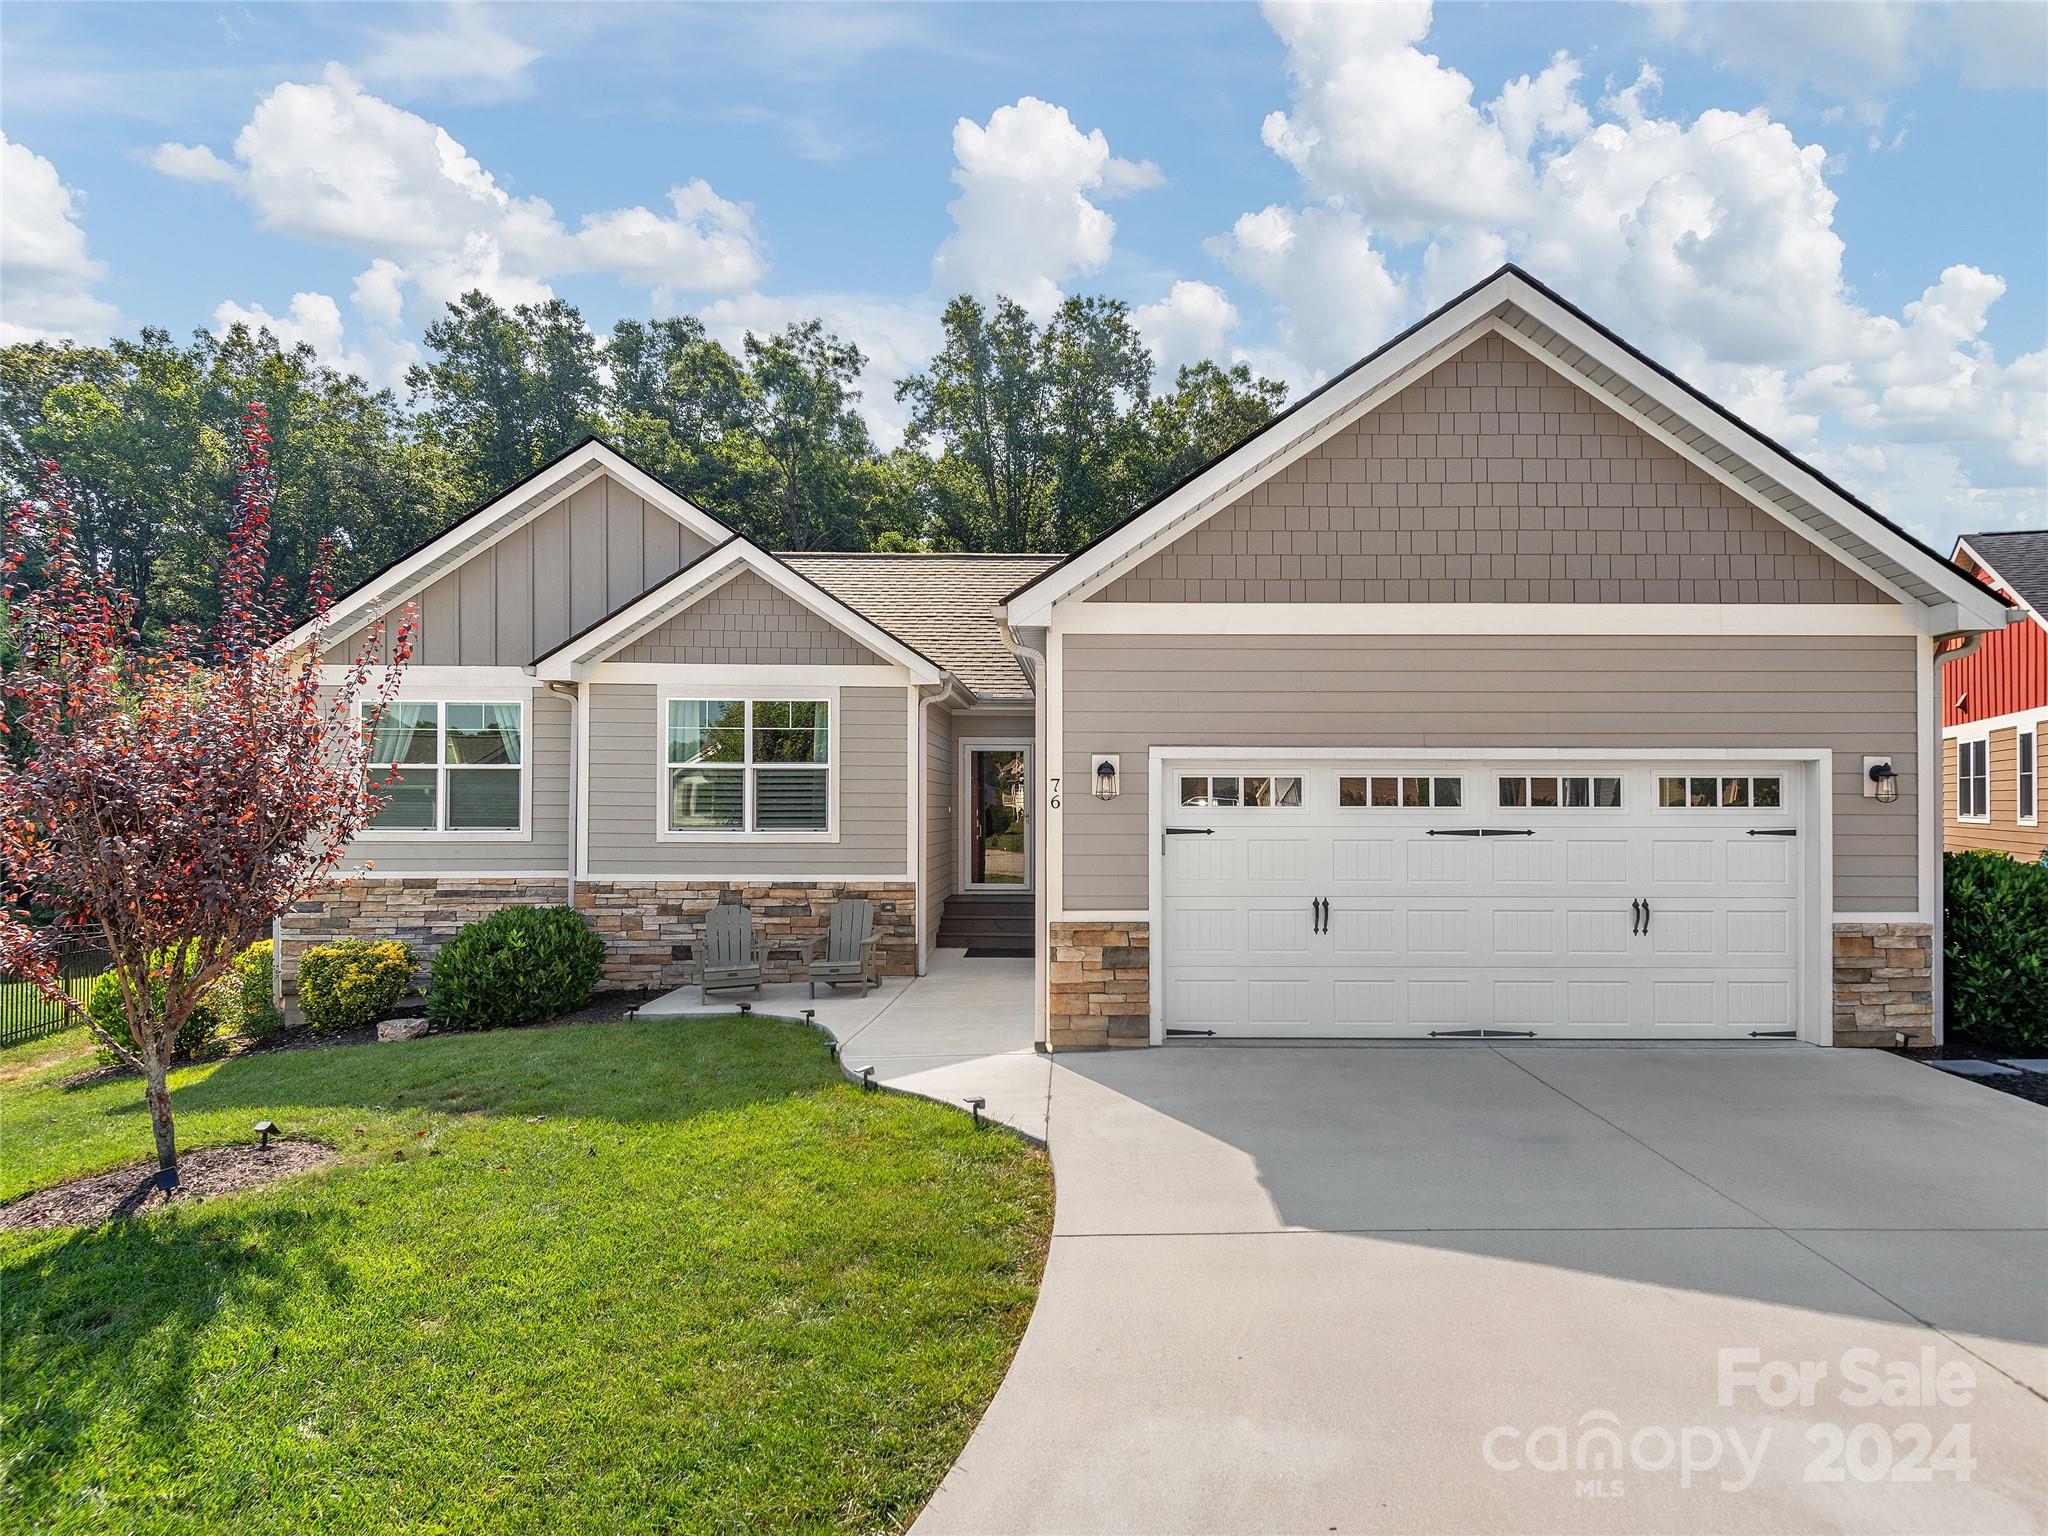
{"x":1504,"y":684}
{"x":1994,"y":704}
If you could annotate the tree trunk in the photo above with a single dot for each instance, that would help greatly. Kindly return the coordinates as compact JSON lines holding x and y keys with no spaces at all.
{"x":159,"y":1096}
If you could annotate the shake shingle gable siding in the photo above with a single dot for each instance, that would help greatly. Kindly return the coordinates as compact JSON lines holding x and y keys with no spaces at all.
{"x":746,"y":622}
{"x":1492,"y":479}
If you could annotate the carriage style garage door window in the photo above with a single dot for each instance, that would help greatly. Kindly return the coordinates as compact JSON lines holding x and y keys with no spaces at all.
{"x":1615,"y":900}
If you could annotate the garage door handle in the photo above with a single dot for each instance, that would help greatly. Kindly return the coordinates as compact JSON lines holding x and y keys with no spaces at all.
{"x":1646,"y":917}
{"x":1635,"y":924}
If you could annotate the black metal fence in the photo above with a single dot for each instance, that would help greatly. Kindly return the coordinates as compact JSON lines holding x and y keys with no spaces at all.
{"x":26,"y":1014}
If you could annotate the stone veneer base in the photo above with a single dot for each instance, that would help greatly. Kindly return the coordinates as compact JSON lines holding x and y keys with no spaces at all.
{"x":649,"y":927}
{"x":1884,"y":983}
{"x":1099,"y":981}
{"x":1099,"y":978}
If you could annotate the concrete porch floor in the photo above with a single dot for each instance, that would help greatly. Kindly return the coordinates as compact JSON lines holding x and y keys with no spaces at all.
{"x":962,"y":1030}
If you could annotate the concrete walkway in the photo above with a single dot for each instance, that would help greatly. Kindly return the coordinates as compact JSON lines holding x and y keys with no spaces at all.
{"x":1436,"y":1289}
{"x":960,"y":1031}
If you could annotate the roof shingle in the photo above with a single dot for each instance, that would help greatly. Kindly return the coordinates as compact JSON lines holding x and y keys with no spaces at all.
{"x":944,"y":605}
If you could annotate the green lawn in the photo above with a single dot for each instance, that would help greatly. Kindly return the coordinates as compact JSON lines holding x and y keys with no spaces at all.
{"x":656,"y":1275}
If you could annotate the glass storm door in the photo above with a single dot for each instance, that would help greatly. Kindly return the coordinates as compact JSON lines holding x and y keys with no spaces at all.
{"x":999,"y":817}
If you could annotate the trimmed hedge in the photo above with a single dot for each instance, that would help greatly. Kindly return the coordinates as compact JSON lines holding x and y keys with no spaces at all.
{"x":352,"y":983}
{"x":518,"y":966}
{"x":256,"y":1015}
{"x":1995,"y":950}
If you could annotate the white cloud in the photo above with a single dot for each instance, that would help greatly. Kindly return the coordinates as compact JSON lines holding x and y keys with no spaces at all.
{"x":464,"y":49}
{"x":329,"y":162}
{"x":315,"y":320}
{"x":1192,"y":322}
{"x":1336,"y":296}
{"x":46,"y":273}
{"x":1711,"y":242}
{"x":1024,"y":222}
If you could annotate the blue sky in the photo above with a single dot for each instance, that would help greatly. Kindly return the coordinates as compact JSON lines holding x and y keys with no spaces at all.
{"x":1834,"y":218}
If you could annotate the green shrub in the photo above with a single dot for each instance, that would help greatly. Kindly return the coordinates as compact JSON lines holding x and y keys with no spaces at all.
{"x":259,"y":1016}
{"x":352,"y":983}
{"x":201,"y":1027}
{"x":1995,"y":954}
{"x":517,"y":966}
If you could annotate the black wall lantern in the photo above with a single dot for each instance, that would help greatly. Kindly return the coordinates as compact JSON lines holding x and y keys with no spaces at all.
{"x":1884,"y":779}
{"x":1105,"y":778}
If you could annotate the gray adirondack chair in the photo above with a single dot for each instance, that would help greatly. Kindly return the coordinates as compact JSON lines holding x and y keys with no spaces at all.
{"x":727,"y":957}
{"x":844,"y":955}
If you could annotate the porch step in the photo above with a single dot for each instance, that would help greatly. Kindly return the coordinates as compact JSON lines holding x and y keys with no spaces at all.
{"x":979,"y":920}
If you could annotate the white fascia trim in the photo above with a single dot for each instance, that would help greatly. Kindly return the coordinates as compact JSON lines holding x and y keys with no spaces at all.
{"x":372,"y":872}
{"x":1965,"y":547}
{"x":405,"y":580}
{"x":1790,"y":619}
{"x":2016,"y":720}
{"x":694,"y":674}
{"x":1287,"y":754}
{"x":1256,"y":460}
{"x":1967,"y":594}
{"x":695,"y":582}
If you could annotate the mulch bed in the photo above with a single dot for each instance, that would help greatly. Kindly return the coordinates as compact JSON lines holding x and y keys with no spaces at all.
{"x":132,"y":1191}
{"x":2031,"y":1086}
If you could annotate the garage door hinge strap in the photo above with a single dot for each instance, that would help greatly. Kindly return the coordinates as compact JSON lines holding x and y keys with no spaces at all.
{"x":1482,"y":1034}
{"x":1773,"y":831}
{"x":1774,"y":1034}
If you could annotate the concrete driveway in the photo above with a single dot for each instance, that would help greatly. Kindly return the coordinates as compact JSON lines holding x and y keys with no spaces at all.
{"x":1489,"y":1289}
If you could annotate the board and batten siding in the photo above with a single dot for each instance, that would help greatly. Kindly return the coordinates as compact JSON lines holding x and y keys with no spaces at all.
{"x":1491,"y":479}
{"x":546,"y":750}
{"x":625,"y":787}
{"x":747,"y":622}
{"x":1130,"y":693}
{"x":522,"y":596}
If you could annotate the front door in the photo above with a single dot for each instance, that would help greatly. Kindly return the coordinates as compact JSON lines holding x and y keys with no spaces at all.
{"x":998,"y":807}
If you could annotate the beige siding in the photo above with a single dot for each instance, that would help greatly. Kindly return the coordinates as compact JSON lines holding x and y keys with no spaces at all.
{"x":2003,"y":833}
{"x":1492,"y":479}
{"x":523,"y":595}
{"x":747,"y":622}
{"x":941,"y":772}
{"x":1129,"y":693}
{"x":625,"y":778}
{"x":547,"y":751}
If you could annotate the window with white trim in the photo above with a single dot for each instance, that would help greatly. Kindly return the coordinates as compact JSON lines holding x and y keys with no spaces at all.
{"x":1389,"y":791}
{"x":1973,"y":780}
{"x":2029,"y":806}
{"x":447,"y":766}
{"x":1234,"y":791}
{"x":1721,"y":791}
{"x":749,"y":765}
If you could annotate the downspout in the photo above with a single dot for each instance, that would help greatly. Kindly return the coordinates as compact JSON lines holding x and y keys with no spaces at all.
{"x":1939,"y":916}
{"x":570,"y":692}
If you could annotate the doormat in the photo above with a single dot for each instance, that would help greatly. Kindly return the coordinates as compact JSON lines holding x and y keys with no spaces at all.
{"x":992,"y":953}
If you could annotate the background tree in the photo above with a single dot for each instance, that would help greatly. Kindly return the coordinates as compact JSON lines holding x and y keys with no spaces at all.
{"x":802,"y":386}
{"x":176,"y":800}
{"x":506,"y":392}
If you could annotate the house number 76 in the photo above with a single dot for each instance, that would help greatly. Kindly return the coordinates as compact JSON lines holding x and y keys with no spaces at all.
{"x":1054,"y":802}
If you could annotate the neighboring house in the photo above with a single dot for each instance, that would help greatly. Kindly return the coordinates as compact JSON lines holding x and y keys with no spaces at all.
{"x":1995,"y":705}
{"x":1505,"y":683}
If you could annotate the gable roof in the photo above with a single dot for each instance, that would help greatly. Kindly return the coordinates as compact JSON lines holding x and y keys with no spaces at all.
{"x":573,"y":659}
{"x":1516,"y":306}
{"x":573,"y":468}
{"x":945,"y":605}
{"x":2018,"y":561}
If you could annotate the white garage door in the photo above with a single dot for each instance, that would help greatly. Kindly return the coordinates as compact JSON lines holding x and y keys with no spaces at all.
{"x":1600,"y":900}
